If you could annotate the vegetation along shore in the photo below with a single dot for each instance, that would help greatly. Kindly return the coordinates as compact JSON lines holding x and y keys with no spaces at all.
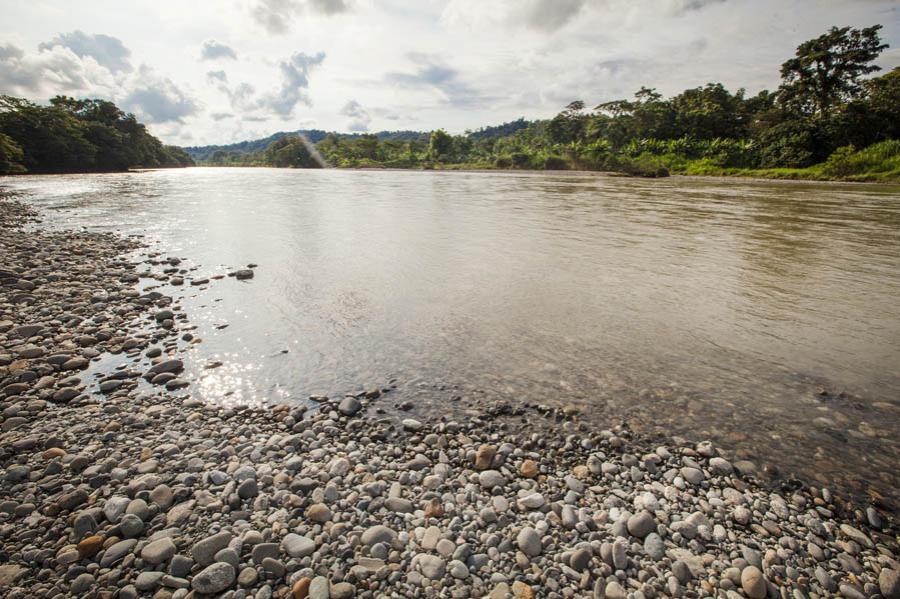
{"x":830,"y":119}
{"x":118,"y":483}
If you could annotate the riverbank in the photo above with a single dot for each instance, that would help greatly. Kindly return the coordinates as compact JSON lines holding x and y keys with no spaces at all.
{"x":121,"y":484}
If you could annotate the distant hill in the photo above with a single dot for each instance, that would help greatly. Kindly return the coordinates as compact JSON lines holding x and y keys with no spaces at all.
{"x":498,"y":130}
{"x":201,"y":153}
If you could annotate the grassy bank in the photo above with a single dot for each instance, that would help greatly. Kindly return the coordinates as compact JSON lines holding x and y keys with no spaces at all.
{"x":878,"y":163}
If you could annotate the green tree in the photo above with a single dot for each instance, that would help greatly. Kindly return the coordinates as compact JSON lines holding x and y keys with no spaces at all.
{"x":289,"y":151}
{"x":11,"y":156}
{"x":440,"y":145}
{"x":825,"y":71}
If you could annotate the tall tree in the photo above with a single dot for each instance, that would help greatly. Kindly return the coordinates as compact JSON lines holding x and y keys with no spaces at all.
{"x":825,"y":71}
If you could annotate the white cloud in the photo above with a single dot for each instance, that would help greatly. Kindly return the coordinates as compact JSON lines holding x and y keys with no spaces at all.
{"x":108,"y":51}
{"x":213,"y":50}
{"x":359,"y":116}
{"x":51,"y":71}
{"x":294,"y":83}
{"x":156,"y":99}
{"x":277,"y":16}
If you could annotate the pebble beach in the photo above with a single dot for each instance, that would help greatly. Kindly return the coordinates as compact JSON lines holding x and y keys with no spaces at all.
{"x":120,"y":484}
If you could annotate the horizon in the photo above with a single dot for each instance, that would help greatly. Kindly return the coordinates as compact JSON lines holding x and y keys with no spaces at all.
{"x":260,"y":67}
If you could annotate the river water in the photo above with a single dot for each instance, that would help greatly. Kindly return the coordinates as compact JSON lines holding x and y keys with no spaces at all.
{"x":762,"y":315}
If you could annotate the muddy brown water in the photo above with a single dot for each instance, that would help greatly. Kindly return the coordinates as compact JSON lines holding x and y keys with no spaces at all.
{"x":762,"y":315}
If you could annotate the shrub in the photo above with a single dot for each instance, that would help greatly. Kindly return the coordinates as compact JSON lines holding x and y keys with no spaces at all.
{"x":555,"y":163}
{"x":503,"y":162}
{"x":521,"y":160}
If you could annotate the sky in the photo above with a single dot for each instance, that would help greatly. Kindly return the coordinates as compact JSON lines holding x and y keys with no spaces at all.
{"x":221,"y":71}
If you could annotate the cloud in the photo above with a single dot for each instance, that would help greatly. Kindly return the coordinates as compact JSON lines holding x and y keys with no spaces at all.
{"x":360,"y":119}
{"x":433,"y":74}
{"x":294,"y":83}
{"x":281,"y":102}
{"x":550,"y":15}
{"x":220,"y":76}
{"x":108,"y":51}
{"x":328,"y":7}
{"x":219,"y":116}
{"x":52,"y":70}
{"x":679,"y":7}
{"x":158,"y":100}
{"x":213,"y":50}
{"x":276,"y":16}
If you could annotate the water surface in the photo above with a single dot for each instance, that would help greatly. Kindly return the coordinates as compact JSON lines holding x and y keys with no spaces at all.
{"x":714,"y":309}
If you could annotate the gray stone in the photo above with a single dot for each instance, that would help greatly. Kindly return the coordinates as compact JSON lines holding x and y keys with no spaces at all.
{"x":349,"y":406}
{"x":214,"y":579}
{"x":159,"y":551}
{"x":298,"y":546}
{"x":889,"y":583}
{"x":117,"y":552}
{"x":490,"y":479}
{"x":431,"y":566}
{"x":204,"y":551}
{"x":529,"y":542}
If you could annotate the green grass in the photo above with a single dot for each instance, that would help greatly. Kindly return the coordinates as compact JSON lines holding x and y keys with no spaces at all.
{"x":878,"y":163}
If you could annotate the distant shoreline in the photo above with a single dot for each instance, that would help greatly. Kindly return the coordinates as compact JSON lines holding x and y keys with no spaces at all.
{"x":752,"y":177}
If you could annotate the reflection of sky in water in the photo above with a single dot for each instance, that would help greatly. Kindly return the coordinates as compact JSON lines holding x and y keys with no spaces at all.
{"x":709,"y":306}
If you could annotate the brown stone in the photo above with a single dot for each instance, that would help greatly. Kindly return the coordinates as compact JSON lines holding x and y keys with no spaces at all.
{"x":89,"y":546}
{"x":484,"y":457}
{"x":53,"y":452}
{"x":300,"y":590}
{"x":434,"y":508}
{"x":581,"y":472}
{"x":528,"y":469}
{"x":522,"y":591}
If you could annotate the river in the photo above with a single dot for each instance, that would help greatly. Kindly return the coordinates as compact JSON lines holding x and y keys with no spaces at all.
{"x":762,"y":315}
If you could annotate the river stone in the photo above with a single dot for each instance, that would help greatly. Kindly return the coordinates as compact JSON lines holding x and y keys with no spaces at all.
{"x":204,"y":551}
{"x":147,"y":581}
{"x":349,"y":406}
{"x":319,"y":588}
{"x":431,"y":566}
{"x":491,"y":478}
{"x":117,"y":552}
{"x":614,"y":591}
{"x":889,"y":583}
{"x":214,"y":579}
{"x":654,"y":546}
{"x":378,"y":534}
{"x":692,"y":475}
{"x":319,"y":512}
{"x":114,"y":508}
{"x":159,"y":551}
{"x":753,"y":582}
{"x":81,"y":585}
{"x":641,"y":524}
{"x":580,"y":559}
{"x":529,"y":542}
{"x":298,"y":546}
{"x":484,"y":457}
{"x":342,"y":590}
{"x":721,"y":466}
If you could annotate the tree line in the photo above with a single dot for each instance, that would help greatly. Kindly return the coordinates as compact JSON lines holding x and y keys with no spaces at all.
{"x":71,"y":135}
{"x":827,"y":119}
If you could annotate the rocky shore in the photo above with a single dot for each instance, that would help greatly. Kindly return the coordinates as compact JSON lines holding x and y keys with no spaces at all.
{"x":119,"y":484}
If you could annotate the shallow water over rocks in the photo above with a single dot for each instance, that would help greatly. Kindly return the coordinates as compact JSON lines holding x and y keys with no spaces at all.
{"x":761,"y":315}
